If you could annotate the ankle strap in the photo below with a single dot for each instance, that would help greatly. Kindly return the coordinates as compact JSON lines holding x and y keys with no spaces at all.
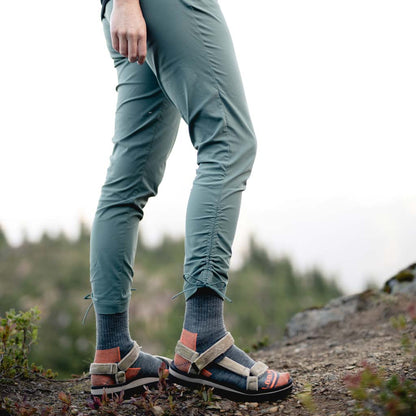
{"x":117,"y":369}
{"x":200,"y":361}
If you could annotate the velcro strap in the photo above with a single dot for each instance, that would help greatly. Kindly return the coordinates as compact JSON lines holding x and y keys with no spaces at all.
{"x":252,"y":383}
{"x":186,"y":352}
{"x":234,"y":366}
{"x":258,"y":369}
{"x":130,"y":358}
{"x":214,"y":351}
{"x":104,"y":368}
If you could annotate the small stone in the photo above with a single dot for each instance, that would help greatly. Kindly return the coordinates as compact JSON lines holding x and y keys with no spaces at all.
{"x":157,"y":411}
{"x":213,"y":407}
{"x":351,"y":403}
{"x":331,"y":377}
{"x":273,"y":409}
{"x":238,"y":413}
{"x":253,"y":405}
{"x":74,"y":411}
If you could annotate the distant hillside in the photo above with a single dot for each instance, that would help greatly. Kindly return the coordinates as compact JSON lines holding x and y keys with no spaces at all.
{"x":54,"y":275}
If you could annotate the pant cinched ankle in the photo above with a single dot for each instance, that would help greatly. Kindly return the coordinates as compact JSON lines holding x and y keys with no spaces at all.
{"x":191,"y":73}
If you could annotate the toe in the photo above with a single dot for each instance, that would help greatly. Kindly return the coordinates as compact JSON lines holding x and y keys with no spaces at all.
{"x":283,"y":379}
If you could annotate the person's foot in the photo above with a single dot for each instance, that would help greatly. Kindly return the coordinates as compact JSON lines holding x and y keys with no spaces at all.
{"x":114,"y":370}
{"x":206,"y":354}
{"x":228,"y":369}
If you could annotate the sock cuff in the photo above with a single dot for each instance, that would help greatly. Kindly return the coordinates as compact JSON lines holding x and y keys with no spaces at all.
{"x":112,"y":330}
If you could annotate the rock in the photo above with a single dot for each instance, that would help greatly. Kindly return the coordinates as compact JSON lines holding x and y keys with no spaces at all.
{"x":270,"y":410}
{"x":310,"y":320}
{"x":157,"y":411}
{"x":402,"y":282}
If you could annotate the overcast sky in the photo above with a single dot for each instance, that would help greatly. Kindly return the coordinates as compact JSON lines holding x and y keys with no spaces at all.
{"x":331,"y":88}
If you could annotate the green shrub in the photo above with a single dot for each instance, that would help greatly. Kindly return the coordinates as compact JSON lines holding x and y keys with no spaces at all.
{"x":18,"y":332}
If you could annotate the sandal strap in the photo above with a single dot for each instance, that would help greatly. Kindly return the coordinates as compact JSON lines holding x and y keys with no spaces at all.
{"x":103,"y":368}
{"x":117,"y":369}
{"x":253,"y":374}
{"x":234,"y":366}
{"x":213,"y":352}
{"x":252,"y":383}
{"x":130,"y":358}
{"x":258,"y":369}
{"x":186,"y":352}
{"x":200,"y":361}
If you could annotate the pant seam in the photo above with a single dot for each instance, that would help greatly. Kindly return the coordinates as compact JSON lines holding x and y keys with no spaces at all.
{"x":226,"y":133}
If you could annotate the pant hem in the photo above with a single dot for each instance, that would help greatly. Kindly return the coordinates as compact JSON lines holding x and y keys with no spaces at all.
{"x":111,"y":308}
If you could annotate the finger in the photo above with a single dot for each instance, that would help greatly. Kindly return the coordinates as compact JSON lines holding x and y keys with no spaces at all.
{"x":122,"y":40}
{"x":132,"y":48}
{"x":142,"y":50}
{"x":114,"y":42}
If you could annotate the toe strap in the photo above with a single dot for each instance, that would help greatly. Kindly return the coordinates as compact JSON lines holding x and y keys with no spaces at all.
{"x":117,"y":369}
{"x":253,"y":374}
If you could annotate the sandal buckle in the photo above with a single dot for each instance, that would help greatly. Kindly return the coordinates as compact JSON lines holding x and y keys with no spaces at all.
{"x":120,"y":377}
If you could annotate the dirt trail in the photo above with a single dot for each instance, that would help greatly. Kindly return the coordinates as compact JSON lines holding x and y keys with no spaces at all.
{"x":319,"y":359}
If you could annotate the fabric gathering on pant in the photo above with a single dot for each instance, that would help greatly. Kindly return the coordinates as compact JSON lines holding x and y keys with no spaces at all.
{"x":191,"y":73}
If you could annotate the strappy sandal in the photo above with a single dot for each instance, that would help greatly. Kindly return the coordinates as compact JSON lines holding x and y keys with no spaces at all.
{"x":198,"y":375}
{"x":122,"y":376}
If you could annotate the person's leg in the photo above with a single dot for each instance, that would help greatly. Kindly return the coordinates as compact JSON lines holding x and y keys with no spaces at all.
{"x":191,"y":53}
{"x":146,"y":125}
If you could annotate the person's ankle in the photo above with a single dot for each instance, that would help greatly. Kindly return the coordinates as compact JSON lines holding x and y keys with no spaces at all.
{"x":204,"y":317}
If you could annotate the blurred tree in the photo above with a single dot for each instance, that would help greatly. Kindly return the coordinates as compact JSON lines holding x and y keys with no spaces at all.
{"x":3,"y":240}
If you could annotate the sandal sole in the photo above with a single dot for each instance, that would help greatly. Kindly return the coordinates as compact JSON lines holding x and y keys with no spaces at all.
{"x":229,"y":392}
{"x":134,"y":386}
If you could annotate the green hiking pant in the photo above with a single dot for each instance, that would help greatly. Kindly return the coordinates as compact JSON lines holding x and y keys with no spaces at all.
{"x":190,"y":72}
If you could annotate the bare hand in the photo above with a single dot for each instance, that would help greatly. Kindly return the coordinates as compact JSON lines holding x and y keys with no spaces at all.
{"x":128,"y":30}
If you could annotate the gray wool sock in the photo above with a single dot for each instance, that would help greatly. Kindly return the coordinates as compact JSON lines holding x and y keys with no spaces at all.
{"x":204,"y":315}
{"x":112,"y":331}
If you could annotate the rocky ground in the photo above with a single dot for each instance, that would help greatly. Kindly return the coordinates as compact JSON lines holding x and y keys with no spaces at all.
{"x":322,"y":348}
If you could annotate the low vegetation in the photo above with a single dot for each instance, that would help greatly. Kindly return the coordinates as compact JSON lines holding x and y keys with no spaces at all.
{"x":376,"y":392}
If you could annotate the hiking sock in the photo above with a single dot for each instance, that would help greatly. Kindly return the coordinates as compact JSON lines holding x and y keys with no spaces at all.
{"x":113,"y":340}
{"x":204,"y":326}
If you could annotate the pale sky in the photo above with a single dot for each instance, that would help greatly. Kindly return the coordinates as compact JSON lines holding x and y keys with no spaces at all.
{"x":331,"y":88}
